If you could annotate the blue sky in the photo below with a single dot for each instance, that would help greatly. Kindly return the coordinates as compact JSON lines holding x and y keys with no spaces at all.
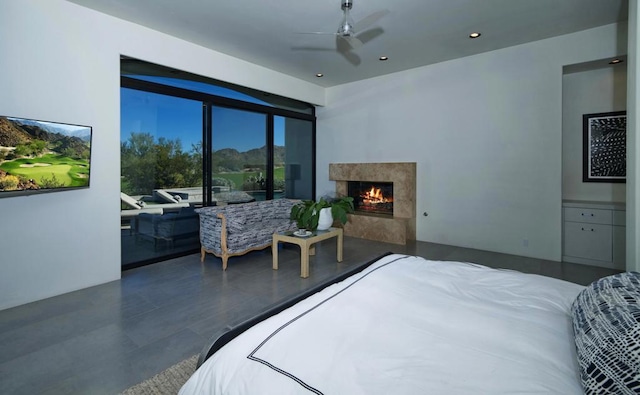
{"x":54,"y":127}
{"x":172,"y":118}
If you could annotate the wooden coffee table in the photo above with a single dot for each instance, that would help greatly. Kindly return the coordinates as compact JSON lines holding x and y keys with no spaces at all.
{"x":306,"y":246}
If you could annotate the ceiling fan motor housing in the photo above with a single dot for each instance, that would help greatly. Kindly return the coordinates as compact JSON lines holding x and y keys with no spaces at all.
{"x":346,"y":25}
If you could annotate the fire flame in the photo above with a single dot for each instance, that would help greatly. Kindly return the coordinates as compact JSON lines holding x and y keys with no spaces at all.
{"x":374,"y":196}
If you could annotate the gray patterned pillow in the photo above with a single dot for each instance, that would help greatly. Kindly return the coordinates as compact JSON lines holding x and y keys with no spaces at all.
{"x":606,"y":324}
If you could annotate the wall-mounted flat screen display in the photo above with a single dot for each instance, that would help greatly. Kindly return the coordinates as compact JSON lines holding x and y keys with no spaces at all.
{"x":40,"y":156}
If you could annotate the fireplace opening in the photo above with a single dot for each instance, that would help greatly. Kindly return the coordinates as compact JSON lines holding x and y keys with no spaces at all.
{"x":372,"y":197}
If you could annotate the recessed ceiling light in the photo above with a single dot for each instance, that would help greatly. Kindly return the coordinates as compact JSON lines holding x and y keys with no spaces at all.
{"x":383,"y":58}
{"x":319,"y":75}
{"x":616,"y":61}
{"x":474,"y":35}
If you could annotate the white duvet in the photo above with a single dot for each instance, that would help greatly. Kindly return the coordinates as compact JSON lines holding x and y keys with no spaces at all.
{"x":407,"y":325}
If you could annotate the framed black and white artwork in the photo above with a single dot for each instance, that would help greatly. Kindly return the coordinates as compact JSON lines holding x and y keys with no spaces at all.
{"x":604,"y":145}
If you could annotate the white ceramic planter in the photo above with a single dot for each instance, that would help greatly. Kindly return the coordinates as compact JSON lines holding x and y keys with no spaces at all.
{"x":326,"y":219}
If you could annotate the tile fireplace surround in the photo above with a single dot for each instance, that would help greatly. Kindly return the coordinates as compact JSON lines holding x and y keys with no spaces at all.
{"x":395,"y":229}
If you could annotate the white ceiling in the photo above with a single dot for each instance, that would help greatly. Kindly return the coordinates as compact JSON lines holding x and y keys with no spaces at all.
{"x":413,"y":34}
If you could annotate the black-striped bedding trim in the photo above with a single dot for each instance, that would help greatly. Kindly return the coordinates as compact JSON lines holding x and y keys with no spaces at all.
{"x":218,"y":340}
{"x":252,"y":357}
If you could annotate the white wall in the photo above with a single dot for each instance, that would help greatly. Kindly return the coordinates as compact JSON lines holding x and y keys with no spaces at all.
{"x":61,"y":62}
{"x":485,"y":131}
{"x":589,"y":92}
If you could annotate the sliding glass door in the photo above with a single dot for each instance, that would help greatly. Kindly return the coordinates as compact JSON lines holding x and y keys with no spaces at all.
{"x":293,"y":158}
{"x":239,"y":155}
{"x":161,"y":174}
{"x":255,"y":159}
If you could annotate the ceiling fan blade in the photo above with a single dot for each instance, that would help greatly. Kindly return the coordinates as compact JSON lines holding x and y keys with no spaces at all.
{"x":324,"y":33}
{"x":353,"y":41}
{"x":370,"y":34}
{"x":305,"y":48}
{"x":344,"y":49}
{"x":351,"y":58}
{"x":369,"y":20}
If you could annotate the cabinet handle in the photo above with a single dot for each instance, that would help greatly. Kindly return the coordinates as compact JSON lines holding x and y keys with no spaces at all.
{"x":591,"y":215}
{"x":588,"y":229}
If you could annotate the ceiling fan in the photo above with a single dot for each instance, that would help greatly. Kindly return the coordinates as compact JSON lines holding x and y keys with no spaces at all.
{"x":348,"y":29}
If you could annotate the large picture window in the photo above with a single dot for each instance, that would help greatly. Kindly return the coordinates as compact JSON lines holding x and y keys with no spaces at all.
{"x":188,"y":142}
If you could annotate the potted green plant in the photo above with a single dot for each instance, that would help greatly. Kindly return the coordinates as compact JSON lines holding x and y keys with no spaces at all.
{"x":307,"y":213}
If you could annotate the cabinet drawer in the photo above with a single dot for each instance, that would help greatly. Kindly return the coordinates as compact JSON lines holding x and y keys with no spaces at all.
{"x":591,"y":241}
{"x":592,"y":216}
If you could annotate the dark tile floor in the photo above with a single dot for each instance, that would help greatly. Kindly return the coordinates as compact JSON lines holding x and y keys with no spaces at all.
{"x":106,"y":338}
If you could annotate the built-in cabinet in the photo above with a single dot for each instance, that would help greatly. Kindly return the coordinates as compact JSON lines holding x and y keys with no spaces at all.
{"x":594,"y":233}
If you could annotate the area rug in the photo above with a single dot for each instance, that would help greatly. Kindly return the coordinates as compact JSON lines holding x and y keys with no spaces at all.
{"x":166,"y":382}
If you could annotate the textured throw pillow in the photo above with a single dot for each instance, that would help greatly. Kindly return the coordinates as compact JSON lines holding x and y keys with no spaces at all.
{"x":236,"y":223}
{"x":606,"y":324}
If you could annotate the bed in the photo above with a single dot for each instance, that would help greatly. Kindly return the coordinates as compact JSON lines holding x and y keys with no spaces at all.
{"x":406,"y":325}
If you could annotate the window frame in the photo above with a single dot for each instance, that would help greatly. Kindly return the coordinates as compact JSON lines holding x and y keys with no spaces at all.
{"x":208,"y":100}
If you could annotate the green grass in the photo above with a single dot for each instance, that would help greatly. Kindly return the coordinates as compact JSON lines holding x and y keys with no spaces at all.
{"x":239,"y":177}
{"x":236,"y":178}
{"x":68,"y":171}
